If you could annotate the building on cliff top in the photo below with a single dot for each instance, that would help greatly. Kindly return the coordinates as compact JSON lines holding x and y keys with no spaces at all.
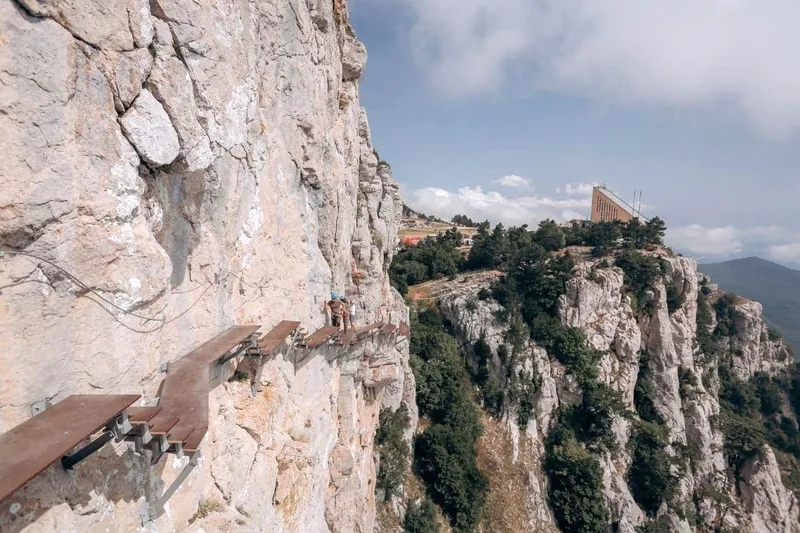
{"x":607,"y":206}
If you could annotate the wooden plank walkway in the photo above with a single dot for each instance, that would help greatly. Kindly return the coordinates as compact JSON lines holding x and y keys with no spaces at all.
{"x":26,"y":450}
{"x":321,"y":336}
{"x":369,"y":327}
{"x":276,"y":336}
{"x":142,"y":415}
{"x":212,"y":350}
{"x":184,"y":395}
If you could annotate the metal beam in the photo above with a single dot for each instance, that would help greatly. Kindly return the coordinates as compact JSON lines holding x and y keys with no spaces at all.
{"x":68,"y":461}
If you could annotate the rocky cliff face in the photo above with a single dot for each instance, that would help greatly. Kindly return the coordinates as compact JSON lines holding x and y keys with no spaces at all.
{"x":175,"y":168}
{"x":597,"y":303}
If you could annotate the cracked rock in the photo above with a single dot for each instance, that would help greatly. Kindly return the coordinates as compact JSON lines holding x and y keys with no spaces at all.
{"x":148,"y":128}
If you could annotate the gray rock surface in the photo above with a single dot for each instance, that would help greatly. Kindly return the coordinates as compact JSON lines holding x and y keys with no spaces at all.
{"x":148,"y":128}
{"x":595,"y":302}
{"x":200,"y":165}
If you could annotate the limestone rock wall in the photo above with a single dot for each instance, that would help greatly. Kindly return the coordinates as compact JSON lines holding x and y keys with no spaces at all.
{"x":174,"y":168}
{"x":595,"y":302}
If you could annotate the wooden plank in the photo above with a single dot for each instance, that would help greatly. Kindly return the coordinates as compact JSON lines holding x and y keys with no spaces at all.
{"x":403,"y":329}
{"x":185,"y":392}
{"x":272,"y":340}
{"x":210,"y":351}
{"x":388,"y":328}
{"x":26,"y":450}
{"x":282,"y":330}
{"x":369,"y":327}
{"x":142,"y":415}
{"x":179,"y":434}
{"x":321,"y":336}
{"x":348,"y":338}
{"x":162,"y":423}
{"x":195,"y":439}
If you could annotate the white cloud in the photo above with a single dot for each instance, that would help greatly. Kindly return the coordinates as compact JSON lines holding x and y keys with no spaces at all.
{"x":512,"y":181}
{"x":579,"y":189}
{"x":690,"y":53}
{"x":789,"y":253}
{"x":703,"y":241}
{"x":494,"y":206}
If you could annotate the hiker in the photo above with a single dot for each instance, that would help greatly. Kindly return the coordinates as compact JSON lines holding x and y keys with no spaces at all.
{"x":335,"y":308}
{"x":351,"y":307}
{"x":345,"y":313}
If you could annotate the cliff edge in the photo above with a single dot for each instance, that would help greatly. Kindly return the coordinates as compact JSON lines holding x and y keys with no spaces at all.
{"x":172,"y":169}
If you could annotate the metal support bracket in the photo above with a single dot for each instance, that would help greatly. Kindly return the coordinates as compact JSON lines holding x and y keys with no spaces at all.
{"x":115,"y":429}
{"x":252,"y":342}
{"x":292,"y":345}
{"x":149,"y":513}
{"x":158,"y":445}
{"x":40,"y":407}
{"x":68,"y":461}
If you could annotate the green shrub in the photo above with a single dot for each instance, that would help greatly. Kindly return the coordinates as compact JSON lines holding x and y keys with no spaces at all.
{"x":445,"y":453}
{"x":471,"y":305}
{"x":502,"y":353}
{"x":593,"y":420}
{"x":740,"y":397}
{"x":675,"y":298}
{"x":743,"y":439}
{"x":446,"y":460}
{"x":658,"y":525}
{"x":687,"y":381}
{"x":576,"y":485}
{"x":768,"y":394}
{"x":431,"y":258}
{"x":724,"y":308}
{"x":568,"y":345}
{"x":523,"y":391}
{"x":774,"y":334}
{"x":550,"y":236}
{"x":421,"y":518}
{"x":644,"y":392}
{"x":641,"y":272}
{"x":604,"y":234}
{"x":484,"y":294}
{"x":393,"y":449}
{"x":649,"y":477}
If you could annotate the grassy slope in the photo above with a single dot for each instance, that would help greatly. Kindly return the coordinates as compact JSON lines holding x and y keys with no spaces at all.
{"x":775,"y":286}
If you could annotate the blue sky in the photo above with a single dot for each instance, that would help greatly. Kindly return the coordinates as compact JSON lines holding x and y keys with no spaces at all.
{"x":694,"y":102}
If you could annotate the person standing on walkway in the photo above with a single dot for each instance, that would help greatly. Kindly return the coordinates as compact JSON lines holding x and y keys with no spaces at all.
{"x":351,"y":308}
{"x":335,"y":308}
{"x":345,"y":313}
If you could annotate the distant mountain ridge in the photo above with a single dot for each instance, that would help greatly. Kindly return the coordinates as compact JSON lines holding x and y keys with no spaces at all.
{"x":775,"y":286}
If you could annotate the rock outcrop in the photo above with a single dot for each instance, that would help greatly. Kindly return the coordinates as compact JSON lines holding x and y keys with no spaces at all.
{"x":596,"y":302}
{"x":171,"y":169}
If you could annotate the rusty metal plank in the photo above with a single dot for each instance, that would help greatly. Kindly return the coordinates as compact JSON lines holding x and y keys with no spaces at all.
{"x":26,"y":450}
{"x":348,"y":338}
{"x":277,"y":335}
{"x":210,"y":351}
{"x":185,"y":392}
{"x":403,"y":329}
{"x":369,"y":327}
{"x":195,"y":439}
{"x":282,"y":330}
{"x":179,"y":434}
{"x":162,"y":423}
{"x":142,"y":415}
{"x":321,"y":336}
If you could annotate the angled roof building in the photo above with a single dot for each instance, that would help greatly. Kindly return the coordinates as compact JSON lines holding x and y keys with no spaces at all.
{"x":607,"y":206}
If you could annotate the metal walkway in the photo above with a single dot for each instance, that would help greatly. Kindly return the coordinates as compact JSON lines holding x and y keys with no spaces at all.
{"x":177,"y":424}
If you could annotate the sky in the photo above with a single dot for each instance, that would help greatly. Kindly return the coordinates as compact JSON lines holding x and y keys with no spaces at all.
{"x":511,"y":110}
